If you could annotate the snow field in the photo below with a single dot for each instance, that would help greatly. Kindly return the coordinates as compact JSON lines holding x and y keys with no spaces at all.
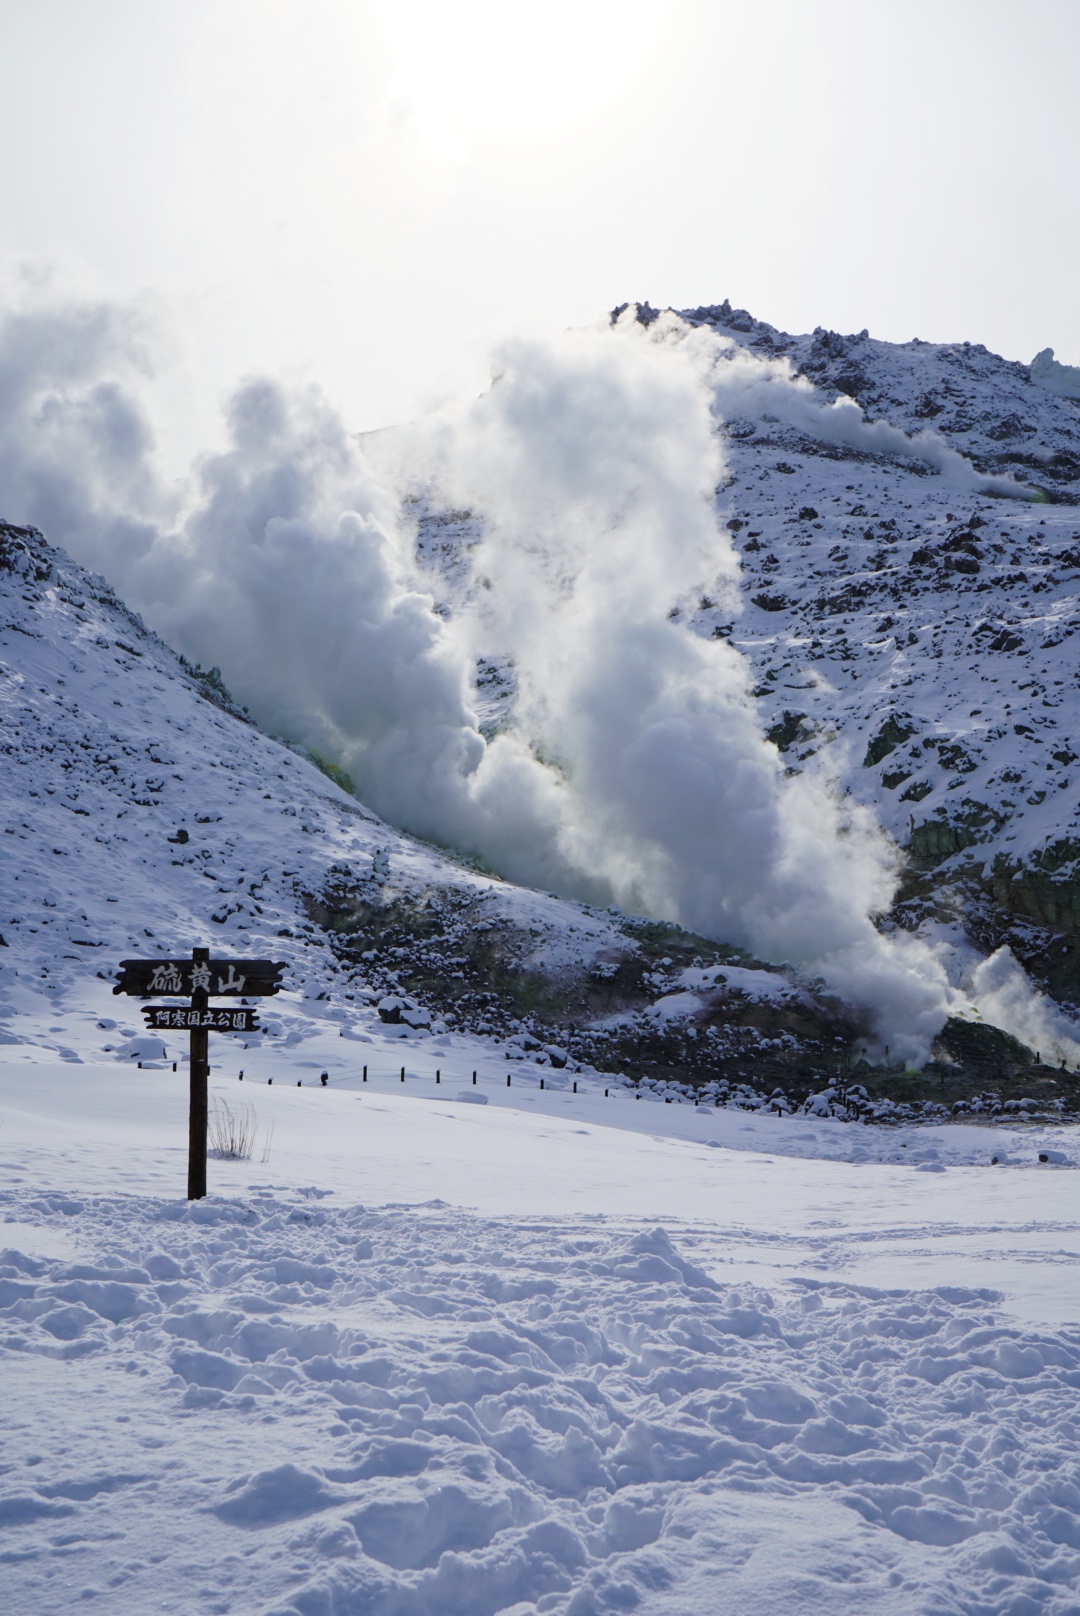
{"x":271,"y":1403}
{"x":438,"y":1357}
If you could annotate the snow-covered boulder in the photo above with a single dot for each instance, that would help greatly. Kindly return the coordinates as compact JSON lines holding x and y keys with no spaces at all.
{"x":397,"y":1011}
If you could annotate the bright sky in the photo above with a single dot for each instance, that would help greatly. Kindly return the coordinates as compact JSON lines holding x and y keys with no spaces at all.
{"x":372,"y":192}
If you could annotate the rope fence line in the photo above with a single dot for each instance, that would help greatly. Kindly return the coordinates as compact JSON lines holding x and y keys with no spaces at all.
{"x":627,"y":1088}
{"x":324,"y":1079}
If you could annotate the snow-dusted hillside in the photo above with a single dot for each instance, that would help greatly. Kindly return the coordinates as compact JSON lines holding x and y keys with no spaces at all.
{"x":142,"y":813}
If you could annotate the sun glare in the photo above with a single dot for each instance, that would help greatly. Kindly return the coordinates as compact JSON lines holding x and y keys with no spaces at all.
{"x":485,"y":68}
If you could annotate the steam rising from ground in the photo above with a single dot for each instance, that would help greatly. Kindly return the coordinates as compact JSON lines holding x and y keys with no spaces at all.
{"x":634,"y":768}
{"x":1003,"y":996}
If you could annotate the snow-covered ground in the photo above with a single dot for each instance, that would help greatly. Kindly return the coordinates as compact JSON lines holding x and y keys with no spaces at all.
{"x":549,"y":1352}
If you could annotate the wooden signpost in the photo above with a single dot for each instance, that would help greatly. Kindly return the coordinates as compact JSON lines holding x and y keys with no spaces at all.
{"x":201,"y":977}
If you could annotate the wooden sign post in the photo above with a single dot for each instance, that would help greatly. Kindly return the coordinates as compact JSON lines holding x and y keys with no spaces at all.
{"x":202,"y":977}
{"x":199,"y":1082}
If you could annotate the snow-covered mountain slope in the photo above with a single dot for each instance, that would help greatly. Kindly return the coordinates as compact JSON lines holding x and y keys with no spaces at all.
{"x":142,"y":814}
{"x":911,"y":619}
{"x":577,"y":1351}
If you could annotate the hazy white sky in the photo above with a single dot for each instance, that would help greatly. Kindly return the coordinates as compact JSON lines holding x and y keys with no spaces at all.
{"x":371,"y":192}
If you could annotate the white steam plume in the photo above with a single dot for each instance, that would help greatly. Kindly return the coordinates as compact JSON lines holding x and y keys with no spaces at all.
{"x":280,"y":559}
{"x":634,"y":766}
{"x":594,"y":460}
{"x":1003,"y":995}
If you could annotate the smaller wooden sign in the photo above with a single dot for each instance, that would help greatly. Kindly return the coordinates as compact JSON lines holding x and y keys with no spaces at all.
{"x":163,"y":1017}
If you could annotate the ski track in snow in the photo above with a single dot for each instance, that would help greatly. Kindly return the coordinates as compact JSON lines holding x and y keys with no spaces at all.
{"x":269,"y":1404}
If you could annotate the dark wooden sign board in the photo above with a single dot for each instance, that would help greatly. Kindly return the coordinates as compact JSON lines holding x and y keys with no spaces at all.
{"x":201,"y":977}
{"x":236,"y":978}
